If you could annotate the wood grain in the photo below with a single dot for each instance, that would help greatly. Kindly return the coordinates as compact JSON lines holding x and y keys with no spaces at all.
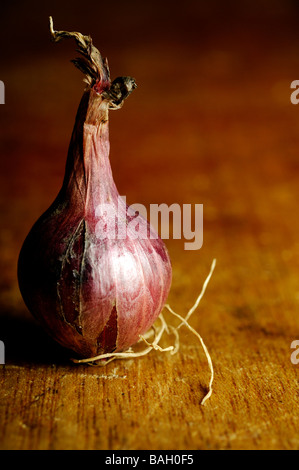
{"x":225,"y":136}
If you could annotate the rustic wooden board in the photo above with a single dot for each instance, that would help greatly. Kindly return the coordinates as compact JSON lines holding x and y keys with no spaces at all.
{"x":220,"y":131}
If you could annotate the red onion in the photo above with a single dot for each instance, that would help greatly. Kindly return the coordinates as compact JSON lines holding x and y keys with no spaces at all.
{"x":94,"y":289}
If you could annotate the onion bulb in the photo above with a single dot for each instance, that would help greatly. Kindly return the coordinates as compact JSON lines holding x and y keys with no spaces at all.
{"x":94,"y":293}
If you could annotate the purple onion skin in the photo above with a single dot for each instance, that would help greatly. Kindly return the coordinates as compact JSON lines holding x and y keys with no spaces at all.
{"x":93,"y":295}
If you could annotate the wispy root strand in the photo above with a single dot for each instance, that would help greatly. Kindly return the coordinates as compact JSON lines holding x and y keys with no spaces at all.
{"x":157,"y":331}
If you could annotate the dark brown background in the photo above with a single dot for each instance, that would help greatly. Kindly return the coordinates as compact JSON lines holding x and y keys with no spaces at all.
{"x":211,"y":122}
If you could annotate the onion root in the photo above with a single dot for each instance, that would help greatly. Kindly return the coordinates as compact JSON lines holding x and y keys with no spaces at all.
{"x":157,"y":331}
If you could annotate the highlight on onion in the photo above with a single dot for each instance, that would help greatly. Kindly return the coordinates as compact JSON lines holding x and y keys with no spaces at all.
{"x":96,"y":291}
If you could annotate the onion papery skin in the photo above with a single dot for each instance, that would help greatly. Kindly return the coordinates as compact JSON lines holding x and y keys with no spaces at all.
{"x":93,"y":295}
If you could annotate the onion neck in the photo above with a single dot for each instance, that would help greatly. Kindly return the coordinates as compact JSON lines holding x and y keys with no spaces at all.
{"x":88,"y":178}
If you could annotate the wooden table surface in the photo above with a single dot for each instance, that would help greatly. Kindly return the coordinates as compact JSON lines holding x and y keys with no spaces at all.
{"x":210,"y":123}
